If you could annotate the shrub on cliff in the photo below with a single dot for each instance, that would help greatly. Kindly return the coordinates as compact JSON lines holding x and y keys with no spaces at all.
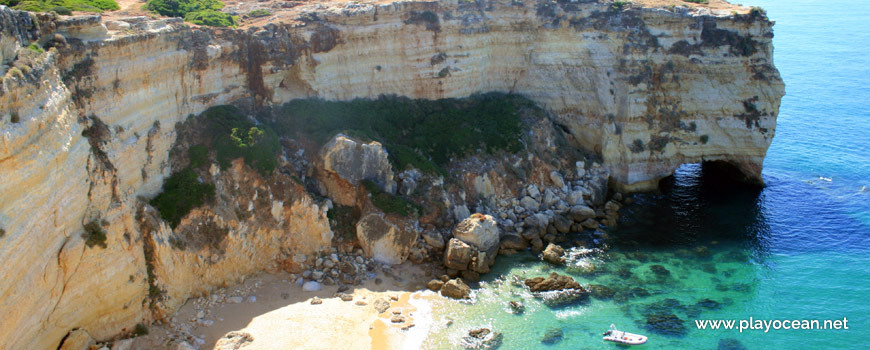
{"x":421,"y":133}
{"x":181,"y":193}
{"x":390,"y":203}
{"x":235,"y":136}
{"x":210,"y":18}
{"x":69,"y":5}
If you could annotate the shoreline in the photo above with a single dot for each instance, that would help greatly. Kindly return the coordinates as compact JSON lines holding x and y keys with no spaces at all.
{"x":275,"y":313}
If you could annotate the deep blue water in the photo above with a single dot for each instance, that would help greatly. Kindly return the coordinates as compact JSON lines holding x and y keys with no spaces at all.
{"x":797,"y":249}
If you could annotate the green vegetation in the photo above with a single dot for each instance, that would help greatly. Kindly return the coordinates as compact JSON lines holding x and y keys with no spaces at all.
{"x":94,"y":234}
{"x":342,"y":220}
{"x":235,"y":136}
{"x":2,"y":232}
{"x":61,"y":10}
{"x":212,"y":18}
{"x":757,"y":11}
{"x":704,"y":139}
{"x":14,"y":118}
{"x":140,"y":330}
{"x":198,"y":154}
{"x":697,"y":1}
{"x":390,"y":203}
{"x":59,"y":6}
{"x":202,"y":12}
{"x":424,"y":134}
{"x":181,"y":193}
{"x":619,"y":5}
{"x":35,"y":48}
{"x":636,"y":146}
{"x":259,"y":13}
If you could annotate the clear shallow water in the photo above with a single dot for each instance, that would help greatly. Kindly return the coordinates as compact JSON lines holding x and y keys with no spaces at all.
{"x":798,"y":249}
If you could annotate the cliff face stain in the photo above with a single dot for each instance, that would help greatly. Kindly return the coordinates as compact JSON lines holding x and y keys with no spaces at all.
{"x":324,"y":39}
{"x":638,"y":37}
{"x":739,"y":45}
{"x":425,"y":18}
{"x":251,"y":63}
{"x":752,"y":115}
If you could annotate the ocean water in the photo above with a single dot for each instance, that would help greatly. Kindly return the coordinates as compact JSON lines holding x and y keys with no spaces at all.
{"x":707,"y":249}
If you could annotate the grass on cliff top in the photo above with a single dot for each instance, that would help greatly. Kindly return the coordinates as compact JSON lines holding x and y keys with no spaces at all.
{"x":73,"y":5}
{"x":424,"y":134}
{"x":202,"y":12}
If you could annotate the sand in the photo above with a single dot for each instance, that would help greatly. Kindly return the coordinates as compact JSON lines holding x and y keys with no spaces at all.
{"x":282,"y":317}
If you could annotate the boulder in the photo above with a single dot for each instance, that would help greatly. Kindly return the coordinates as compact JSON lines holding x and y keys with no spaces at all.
{"x":233,"y":341}
{"x":456,"y":289}
{"x":517,"y":307}
{"x":580,"y":212}
{"x":381,"y":305}
{"x":513,"y":241}
{"x":383,"y":240}
{"x":529,"y":204}
{"x":478,"y":230}
{"x":311,"y":286}
{"x":553,"y":254}
{"x":562,"y":224}
{"x":434,"y":285}
{"x":77,"y":339}
{"x":458,"y":255}
{"x":354,"y":160}
{"x":433,"y":239}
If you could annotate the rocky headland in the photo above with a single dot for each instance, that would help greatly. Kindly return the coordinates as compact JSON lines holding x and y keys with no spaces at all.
{"x":130,"y":186}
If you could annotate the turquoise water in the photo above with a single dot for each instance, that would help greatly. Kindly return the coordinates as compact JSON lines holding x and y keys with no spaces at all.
{"x":797,"y":249}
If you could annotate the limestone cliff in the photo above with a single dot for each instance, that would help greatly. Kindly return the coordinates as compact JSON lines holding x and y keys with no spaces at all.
{"x":86,"y":127}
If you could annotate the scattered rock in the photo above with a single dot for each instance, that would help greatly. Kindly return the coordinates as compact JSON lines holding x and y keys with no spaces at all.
{"x":397,"y":319}
{"x":236,"y":299}
{"x":345,"y":297}
{"x":311,"y":286}
{"x":434,"y":285}
{"x":361,"y":303}
{"x":233,"y":341}
{"x":316,"y":301}
{"x":517,"y":307}
{"x":482,"y":338}
{"x":553,"y":254}
{"x":123,"y":344}
{"x":381,"y":305}
{"x":513,"y":241}
{"x":456,"y":289}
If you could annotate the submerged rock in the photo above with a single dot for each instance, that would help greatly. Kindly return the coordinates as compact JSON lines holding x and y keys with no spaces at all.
{"x":599,"y":291}
{"x":660,"y":271}
{"x":730,"y":344}
{"x":708,"y":304}
{"x":482,"y":338}
{"x":554,"y":282}
{"x":552,"y":336}
{"x":666,"y":324}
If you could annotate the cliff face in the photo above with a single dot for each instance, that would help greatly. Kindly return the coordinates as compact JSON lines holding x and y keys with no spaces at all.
{"x":86,"y":128}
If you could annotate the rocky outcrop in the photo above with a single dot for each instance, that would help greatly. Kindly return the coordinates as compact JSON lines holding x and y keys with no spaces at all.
{"x":456,"y":289}
{"x":352,"y":161}
{"x":86,"y":129}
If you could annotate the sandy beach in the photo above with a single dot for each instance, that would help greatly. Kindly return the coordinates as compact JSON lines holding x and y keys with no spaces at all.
{"x":278,"y":314}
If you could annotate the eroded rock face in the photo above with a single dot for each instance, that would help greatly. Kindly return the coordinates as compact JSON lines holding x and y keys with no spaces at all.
{"x":383,"y":240}
{"x":647,"y":90}
{"x":353,"y":161}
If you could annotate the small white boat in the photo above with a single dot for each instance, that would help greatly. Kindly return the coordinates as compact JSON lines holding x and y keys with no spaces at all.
{"x":623,"y":337}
